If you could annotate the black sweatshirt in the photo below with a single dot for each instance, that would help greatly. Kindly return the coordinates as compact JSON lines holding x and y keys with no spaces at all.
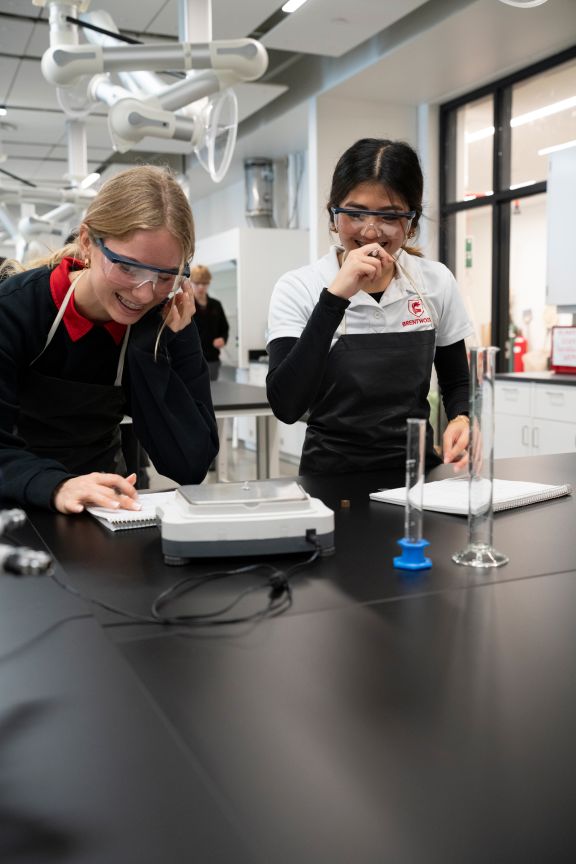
{"x":168,"y":398}
{"x":212,"y":324}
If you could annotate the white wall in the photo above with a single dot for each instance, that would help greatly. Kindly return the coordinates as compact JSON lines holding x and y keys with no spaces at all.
{"x":335,"y":124}
{"x":261,"y":256}
{"x":428,"y":118}
{"x":221,"y":210}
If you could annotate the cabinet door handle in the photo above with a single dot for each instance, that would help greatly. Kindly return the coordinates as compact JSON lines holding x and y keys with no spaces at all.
{"x":535,"y":438}
{"x":525,"y":438}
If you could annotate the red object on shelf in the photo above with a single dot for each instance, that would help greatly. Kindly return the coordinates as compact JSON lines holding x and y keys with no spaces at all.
{"x":519,"y":348}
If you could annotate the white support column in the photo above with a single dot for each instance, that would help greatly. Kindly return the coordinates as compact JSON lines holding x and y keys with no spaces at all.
{"x":77,"y":151}
{"x":195,"y":20}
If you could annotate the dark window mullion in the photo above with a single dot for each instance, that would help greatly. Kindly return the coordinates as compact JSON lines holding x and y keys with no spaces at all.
{"x":448,"y":146}
{"x":500,"y":279}
{"x":502,"y":159}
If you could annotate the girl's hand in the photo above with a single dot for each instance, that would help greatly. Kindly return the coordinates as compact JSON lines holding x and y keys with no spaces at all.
{"x":455,"y":442}
{"x":360,"y":268}
{"x":97,"y":490}
{"x":179,"y":311}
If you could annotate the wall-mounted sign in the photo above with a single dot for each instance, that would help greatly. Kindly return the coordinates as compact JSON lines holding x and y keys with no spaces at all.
{"x":563,"y":357}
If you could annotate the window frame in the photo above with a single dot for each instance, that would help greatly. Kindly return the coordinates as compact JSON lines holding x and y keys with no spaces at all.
{"x":501,"y":199}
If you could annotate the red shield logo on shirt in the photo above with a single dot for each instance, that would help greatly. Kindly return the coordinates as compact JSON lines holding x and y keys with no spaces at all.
{"x":415,"y":308}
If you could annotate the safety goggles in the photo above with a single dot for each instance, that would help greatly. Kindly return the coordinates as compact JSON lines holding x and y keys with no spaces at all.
{"x":128,"y":273}
{"x":348,"y":219}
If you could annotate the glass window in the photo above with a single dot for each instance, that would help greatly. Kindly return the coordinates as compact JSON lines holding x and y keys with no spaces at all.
{"x":543,"y":116}
{"x":473,"y":268}
{"x":472,"y":143}
{"x":530,"y":319}
{"x":521,"y":119}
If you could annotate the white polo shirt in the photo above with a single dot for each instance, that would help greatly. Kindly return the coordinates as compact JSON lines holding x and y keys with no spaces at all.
{"x":423,"y":295}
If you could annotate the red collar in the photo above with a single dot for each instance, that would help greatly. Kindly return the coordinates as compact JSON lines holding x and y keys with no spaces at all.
{"x":76,"y":324}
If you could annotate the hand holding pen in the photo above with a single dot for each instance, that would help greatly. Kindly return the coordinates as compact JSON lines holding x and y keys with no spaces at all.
{"x":360,"y":268}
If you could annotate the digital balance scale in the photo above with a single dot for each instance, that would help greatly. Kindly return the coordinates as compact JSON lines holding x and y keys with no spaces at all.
{"x":262,"y":517}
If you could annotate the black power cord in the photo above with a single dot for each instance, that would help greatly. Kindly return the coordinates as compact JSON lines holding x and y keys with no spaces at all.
{"x":277,"y":583}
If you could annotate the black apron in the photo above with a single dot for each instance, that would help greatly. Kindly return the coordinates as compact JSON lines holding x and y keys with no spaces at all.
{"x":75,"y":423}
{"x":373,"y":383}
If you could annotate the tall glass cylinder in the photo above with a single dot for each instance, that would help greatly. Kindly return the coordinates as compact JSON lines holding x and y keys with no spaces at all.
{"x":415,"y":454}
{"x":480,"y":552}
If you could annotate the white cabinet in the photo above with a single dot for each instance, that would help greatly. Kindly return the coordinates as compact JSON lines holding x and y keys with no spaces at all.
{"x":534,"y":418}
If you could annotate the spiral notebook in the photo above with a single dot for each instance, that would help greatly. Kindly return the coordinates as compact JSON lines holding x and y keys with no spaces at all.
{"x":121,"y":520}
{"x":451,"y":495}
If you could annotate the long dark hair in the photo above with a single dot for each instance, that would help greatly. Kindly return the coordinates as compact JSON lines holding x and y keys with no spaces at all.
{"x":394,"y":164}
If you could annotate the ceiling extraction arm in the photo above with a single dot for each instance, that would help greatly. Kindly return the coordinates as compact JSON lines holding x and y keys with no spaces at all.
{"x":198,"y":108}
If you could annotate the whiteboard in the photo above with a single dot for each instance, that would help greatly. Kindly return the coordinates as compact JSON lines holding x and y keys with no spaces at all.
{"x":561,"y":219}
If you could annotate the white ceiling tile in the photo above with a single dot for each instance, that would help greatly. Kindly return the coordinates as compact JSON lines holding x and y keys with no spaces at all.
{"x":30,"y":88}
{"x":8,"y":70}
{"x":246,"y":16}
{"x":40,"y":40}
{"x":249,"y":16}
{"x":15,"y":35}
{"x":20,"y":150}
{"x":333,"y":27}
{"x":19,"y":7}
{"x":32,"y":126}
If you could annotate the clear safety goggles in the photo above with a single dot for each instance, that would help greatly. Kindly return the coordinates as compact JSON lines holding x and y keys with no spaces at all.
{"x":128,"y":273}
{"x":380,"y":222}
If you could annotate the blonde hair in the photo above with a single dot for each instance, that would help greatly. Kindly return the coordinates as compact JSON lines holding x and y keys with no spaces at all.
{"x":200,"y":274}
{"x":142,"y":198}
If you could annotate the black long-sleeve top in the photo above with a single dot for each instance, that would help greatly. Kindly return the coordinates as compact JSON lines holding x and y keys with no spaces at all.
{"x":168,"y":397}
{"x":212,"y":324}
{"x":297,"y":365}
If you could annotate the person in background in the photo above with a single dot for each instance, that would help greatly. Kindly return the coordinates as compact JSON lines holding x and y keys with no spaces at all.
{"x":353,"y":337}
{"x":210,"y":319}
{"x":100,"y":330}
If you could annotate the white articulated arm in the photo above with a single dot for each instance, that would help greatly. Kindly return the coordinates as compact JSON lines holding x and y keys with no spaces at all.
{"x":36,"y":226}
{"x":145,"y":106}
{"x":243,"y":59}
{"x":46,"y":195}
{"x":131,"y":119}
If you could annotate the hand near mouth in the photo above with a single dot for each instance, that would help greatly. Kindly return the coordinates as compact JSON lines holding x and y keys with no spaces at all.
{"x":361,"y":269}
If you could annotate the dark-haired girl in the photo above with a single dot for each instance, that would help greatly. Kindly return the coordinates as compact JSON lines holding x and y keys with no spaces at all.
{"x":352,"y":338}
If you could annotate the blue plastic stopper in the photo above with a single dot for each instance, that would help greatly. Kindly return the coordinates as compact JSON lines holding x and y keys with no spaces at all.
{"x":412,"y":557}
